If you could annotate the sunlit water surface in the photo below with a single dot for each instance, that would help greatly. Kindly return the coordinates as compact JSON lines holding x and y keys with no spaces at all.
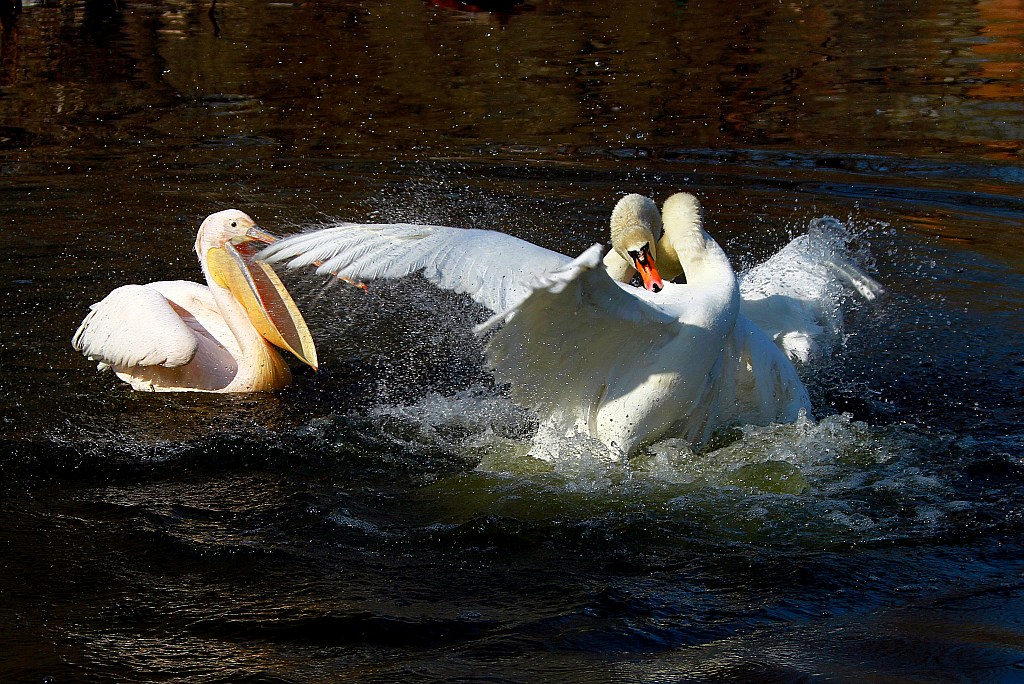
{"x":381,"y":520}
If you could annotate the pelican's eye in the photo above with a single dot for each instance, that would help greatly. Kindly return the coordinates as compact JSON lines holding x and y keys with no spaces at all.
{"x":234,"y":224}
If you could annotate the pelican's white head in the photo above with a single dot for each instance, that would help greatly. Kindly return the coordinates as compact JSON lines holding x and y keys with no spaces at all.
{"x":227,"y":247}
{"x":635,"y":229}
{"x":224,"y":226}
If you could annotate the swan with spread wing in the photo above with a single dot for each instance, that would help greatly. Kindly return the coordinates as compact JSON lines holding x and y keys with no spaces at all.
{"x":590,"y":354}
{"x":178,"y":336}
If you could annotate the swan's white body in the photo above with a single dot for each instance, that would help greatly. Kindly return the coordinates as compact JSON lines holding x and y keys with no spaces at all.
{"x":589,"y":354}
{"x":174,"y":336}
{"x":626,"y":366}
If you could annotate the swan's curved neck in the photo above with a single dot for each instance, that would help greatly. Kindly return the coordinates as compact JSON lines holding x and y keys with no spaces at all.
{"x":686,"y":248}
{"x":697,"y":255}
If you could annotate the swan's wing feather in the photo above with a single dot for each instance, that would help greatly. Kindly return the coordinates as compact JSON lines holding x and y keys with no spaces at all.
{"x":495,"y":269}
{"x":560,"y":347}
{"x":796,"y":296}
{"x":802,"y":328}
{"x":136,"y":325}
{"x":766,"y":385}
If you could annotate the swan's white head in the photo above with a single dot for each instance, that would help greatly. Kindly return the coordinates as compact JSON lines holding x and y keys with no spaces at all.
{"x":635,"y":229}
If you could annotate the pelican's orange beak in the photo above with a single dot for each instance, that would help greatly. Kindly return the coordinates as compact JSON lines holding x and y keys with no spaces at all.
{"x":644,"y":264}
{"x":257,"y":288}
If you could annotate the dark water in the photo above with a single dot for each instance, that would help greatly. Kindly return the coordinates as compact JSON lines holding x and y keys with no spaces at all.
{"x":377,"y":521}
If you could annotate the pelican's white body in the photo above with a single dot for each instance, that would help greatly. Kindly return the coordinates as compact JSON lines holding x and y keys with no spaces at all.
{"x":175,"y":336}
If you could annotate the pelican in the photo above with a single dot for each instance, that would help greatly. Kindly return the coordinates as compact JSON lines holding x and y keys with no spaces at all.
{"x":180,"y":336}
{"x":590,"y":355}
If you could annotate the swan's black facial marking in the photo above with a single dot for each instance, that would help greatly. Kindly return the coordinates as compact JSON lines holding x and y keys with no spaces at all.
{"x":642,"y":255}
{"x":644,"y":262}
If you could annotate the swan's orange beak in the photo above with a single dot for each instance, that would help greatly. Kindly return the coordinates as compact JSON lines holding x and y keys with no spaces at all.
{"x":644,"y":264}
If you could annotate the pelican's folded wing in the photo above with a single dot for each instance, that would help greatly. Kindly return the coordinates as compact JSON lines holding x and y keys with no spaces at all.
{"x":796,"y":296}
{"x":495,"y":269}
{"x":564,"y":343}
{"x":135,"y":325}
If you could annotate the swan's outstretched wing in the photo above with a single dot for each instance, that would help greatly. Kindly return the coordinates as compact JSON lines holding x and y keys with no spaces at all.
{"x":136,"y":325}
{"x":796,"y":296}
{"x":495,"y":269}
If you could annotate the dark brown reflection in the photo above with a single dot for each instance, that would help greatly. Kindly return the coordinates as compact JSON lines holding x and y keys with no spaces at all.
{"x":401,"y":79}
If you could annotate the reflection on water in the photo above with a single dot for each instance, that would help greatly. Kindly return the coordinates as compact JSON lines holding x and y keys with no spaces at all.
{"x":381,"y":520}
{"x":402,"y":78}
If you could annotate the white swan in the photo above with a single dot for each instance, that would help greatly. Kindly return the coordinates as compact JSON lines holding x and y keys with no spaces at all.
{"x":590,"y":355}
{"x":596,"y":357}
{"x":794,"y":297}
{"x":175,"y":336}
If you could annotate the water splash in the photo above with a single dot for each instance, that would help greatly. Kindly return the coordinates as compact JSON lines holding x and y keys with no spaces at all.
{"x":836,"y":481}
{"x":800,"y":295}
{"x":817,"y":458}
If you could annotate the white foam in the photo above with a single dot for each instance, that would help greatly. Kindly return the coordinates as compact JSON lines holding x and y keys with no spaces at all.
{"x":826,"y":456}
